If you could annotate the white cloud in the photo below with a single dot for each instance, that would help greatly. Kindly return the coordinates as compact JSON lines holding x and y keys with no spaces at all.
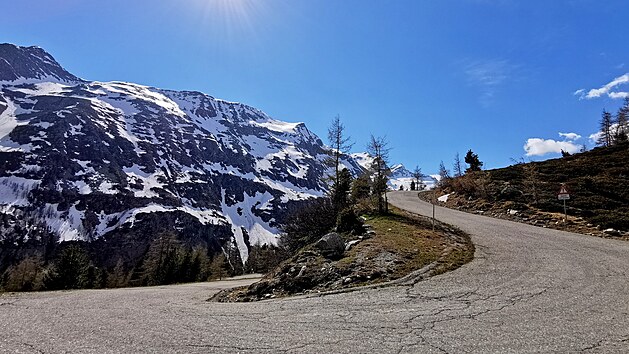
{"x":489,"y":75}
{"x":608,"y":89}
{"x":540,"y":147}
{"x":595,"y":138}
{"x":570,"y":136}
{"x":618,"y":94}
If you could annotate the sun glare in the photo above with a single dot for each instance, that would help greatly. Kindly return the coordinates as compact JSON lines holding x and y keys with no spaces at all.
{"x":231,"y":15}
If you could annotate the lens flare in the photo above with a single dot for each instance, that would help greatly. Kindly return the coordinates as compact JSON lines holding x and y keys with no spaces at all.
{"x":231,"y":15}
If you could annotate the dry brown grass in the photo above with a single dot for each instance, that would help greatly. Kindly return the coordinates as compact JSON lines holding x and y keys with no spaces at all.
{"x":402,"y":243}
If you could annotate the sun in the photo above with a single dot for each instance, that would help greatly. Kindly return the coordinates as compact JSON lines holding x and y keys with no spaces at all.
{"x":234,"y":14}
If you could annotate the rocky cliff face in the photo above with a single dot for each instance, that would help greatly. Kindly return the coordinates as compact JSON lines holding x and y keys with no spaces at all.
{"x":111,"y":162}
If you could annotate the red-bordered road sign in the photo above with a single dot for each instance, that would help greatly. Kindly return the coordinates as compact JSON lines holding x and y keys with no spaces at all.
{"x":563,"y":193}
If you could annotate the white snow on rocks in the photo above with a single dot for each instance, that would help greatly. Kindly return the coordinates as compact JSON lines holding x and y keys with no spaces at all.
{"x":14,"y":191}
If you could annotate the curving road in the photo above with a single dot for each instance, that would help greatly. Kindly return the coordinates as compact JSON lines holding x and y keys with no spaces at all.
{"x":528,"y":290}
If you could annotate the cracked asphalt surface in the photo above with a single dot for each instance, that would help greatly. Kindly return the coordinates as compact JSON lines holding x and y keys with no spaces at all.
{"x":527,"y":290}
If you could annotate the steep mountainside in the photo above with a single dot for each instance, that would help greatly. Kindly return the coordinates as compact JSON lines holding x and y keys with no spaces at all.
{"x":115,"y":162}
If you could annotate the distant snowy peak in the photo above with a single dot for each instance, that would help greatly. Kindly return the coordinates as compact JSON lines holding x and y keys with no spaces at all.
{"x":363,"y":159}
{"x":400,"y":171}
{"x":30,"y":63}
{"x":400,"y":176}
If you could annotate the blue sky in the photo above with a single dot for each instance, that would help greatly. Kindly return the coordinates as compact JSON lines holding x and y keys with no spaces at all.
{"x":434,"y":77}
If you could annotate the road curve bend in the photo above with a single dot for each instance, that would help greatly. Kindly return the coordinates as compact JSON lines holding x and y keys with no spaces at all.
{"x":527,"y":290}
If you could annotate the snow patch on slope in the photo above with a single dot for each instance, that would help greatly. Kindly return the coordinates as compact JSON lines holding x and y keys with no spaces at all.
{"x":14,"y":191}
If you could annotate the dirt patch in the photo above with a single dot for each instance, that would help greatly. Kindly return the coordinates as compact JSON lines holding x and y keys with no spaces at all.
{"x":393,"y":247}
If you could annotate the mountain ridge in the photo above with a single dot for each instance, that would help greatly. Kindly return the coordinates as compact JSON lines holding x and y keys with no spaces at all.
{"x":96,"y":160}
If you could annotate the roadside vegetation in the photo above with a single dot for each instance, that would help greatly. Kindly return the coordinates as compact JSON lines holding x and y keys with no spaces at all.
{"x":395,"y":245}
{"x":353,"y":237}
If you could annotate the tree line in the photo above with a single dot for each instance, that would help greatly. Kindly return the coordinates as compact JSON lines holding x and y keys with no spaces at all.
{"x":614,"y":128}
{"x":348,"y":197}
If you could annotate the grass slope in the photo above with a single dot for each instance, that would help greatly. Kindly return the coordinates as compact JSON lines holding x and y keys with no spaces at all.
{"x":401,"y":244}
{"x":598,"y":182}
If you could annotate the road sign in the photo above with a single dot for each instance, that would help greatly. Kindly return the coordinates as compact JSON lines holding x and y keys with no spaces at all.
{"x":563,"y":193}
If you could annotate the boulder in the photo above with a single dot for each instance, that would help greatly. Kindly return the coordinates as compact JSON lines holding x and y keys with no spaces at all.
{"x":331,"y":245}
{"x":509,"y":192}
{"x":611,"y":232}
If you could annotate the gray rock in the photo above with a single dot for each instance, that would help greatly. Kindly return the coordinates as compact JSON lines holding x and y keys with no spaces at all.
{"x":331,"y":245}
{"x":611,"y":232}
{"x":349,"y":245}
{"x":509,"y":192}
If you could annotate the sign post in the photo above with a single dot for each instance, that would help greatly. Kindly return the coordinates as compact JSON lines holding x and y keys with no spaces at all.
{"x":564,"y":195}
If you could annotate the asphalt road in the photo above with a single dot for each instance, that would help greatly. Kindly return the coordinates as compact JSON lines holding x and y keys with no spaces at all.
{"x":527,"y":290}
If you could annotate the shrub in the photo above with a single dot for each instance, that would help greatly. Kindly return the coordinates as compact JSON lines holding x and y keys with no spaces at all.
{"x":72,"y":269}
{"x":347,"y":221}
{"x":316,"y":218}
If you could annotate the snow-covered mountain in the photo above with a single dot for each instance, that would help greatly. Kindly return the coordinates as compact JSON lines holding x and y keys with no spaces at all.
{"x":106,"y":161}
{"x":400,"y":176}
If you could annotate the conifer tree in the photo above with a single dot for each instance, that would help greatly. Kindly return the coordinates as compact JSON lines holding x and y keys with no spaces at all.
{"x":340,"y":144}
{"x":444,"y":175}
{"x":341,"y":190}
{"x":417,"y":175}
{"x":606,"y":137}
{"x":457,"y":166}
{"x":622,"y":125}
{"x":472,"y":160}
{"x":379,"y":150}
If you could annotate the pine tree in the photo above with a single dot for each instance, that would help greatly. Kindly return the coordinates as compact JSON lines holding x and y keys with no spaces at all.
{"x":444,"y":175}
{"x":341,"y":189}
{"x":72,"y":269}
{"x":417,"y":175}
{"x":622,"y":126}
{"x":379,"y":150}
{"x":605,"y":138}
{"x":458,"y":168}
{"x":472,"y":160}
{"x":340,"y":144}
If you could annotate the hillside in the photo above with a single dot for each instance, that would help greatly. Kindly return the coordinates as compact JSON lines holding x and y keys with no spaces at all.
{"x":598,"y":182}
{"x":118,"y":167}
